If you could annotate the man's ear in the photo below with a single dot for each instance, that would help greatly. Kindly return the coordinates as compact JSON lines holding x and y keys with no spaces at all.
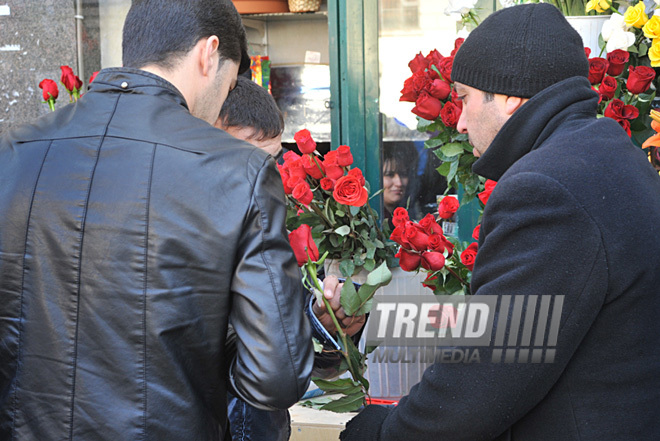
{"x":209,"y":55}
{"x":513,"y":103}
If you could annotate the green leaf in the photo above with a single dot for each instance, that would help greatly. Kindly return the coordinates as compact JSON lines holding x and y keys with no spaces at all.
{"x":343,"y":230}
{"x":317,"y":402}
{"x":354,"y":210}
{"x":318,"y":346}
{"x":444,"y":168}
{"x":453,"y":168}
{"x":346,"y":267}
{"x":344,"y":386}
{"x":452,"y":149}
{"x":433,"y":142}
{"x":358,"y":303}
{"x":347,"y":403}
{"x":369,"y":264}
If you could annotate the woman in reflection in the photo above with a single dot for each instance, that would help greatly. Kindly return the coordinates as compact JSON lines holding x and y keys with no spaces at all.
{"x":399,"y":176}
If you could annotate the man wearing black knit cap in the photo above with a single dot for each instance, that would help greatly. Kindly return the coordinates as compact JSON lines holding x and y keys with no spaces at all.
{"x":576,"y":213}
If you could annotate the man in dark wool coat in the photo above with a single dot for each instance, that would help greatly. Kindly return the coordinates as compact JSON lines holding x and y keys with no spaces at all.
{"x":575,"y":213}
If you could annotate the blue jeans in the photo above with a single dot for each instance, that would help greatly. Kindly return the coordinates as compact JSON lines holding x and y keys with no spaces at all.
{"x":248,"y":423}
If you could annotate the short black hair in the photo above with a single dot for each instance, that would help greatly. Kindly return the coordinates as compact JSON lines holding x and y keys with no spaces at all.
{"x":161,"y":31}
{"x":250,"y":105}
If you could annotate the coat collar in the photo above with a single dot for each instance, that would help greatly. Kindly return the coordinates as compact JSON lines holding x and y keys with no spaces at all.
{"x":534,"y":122}
{"x":130,"y":80}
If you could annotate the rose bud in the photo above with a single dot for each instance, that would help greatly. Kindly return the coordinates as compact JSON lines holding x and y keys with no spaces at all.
{"x":418,"y":63}
{"x":587,"y":52}
{"x":450,"y":114}
{"x":398,"y":236}
{"x":445,"y":68}
{"x":313,"y":166}
{"x":436,"y":243}
{"x":476,"y":231}
{"x":617,"y":59}
{"x":639,"y":79}
{"x":438,"y":89}
{"x":447,"y":207}
{"x":327,"y":184}
{"x":344,"y":156}
{"x":358,"y":174}
{"x":302,"y":193}
{"x":430,"y":281}
{"x":468,"y":256}
{"x":630,"y":112}
{"x":608,"y":87}
{"x":50,"y":90}
{"x":488,"y":189}
{"x":457,"y":45}
{"x":430,"y":225}
{"x":625,"y":124}
{"x":434,"y":58}
{"x":408,"y":261}
{"x":433,"y":261}
{"x":614,"y":109}
{"x":597,"y":69}
{"x":304,"y":141}
{"x":71,"y":82}
{"x":416,"y":236}
{"x":303,"y":245}
{"x":427,"y":107}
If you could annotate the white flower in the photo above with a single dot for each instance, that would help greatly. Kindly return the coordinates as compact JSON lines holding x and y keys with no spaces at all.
{"x":614,"y":24}
{"x":620,"y":39}
{"x":463,"y":33}
{"x":657,"y":2}
{"x":509,"y":3}
{"x":460,"y":6}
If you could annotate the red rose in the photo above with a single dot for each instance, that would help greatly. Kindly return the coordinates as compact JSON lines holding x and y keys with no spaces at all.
{"x":447,"y":207}
{"x":304,"y":140}
{"x":437,"y":242}
{"x":303,"y":245}
{"x":587,"y":52}
{"x":93,"y":77}
{"x":433,"y":261}
{"x":400,"y":216}
{"x":50,"y":90}
{"x":408,"y":261}
{"x":614,"y":109}
{"x":457,"y":45}
{"x":358,"y":174}
{"x":349,"y":191}
{"x":438,"y":89}
{"x":625,"y":124}
{"x":630,"y":112}
{"x":454,"y":99}
{"x":418,"y":63}
{"x":617,"y":59}
{"x":313,"y":166}
{"x":468,"y":255}
{"x":434,"y":58}
{"x":402,"y":212}
{"x":332,"y":169}
{"x":450,"y":115}
{"x":597,"y":69}
{"x":476,"y":231}
{"x":639,"y":79}
{"x":327,"y":184}
{"x":284,"y":174}
{"x":398,"y":236}
{"x":430,"y":225}
{"x":295,"y":168}
{"x":71,"y":82}
{"x":290,"y":156}
{"x":608,"y":87}
{"x":488,"y":189}
{"x":416,"y":236}
{"x":302,"y":193}
{"x":427,"y":107}
{"x":430,"y":281}
{"x":344,"y":156}
{"x":445,"y":68}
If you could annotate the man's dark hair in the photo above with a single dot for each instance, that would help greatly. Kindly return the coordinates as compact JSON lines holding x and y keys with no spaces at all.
{"x":488,"y":97}
{"x":161,"y":31}
{"x":250,"y":105}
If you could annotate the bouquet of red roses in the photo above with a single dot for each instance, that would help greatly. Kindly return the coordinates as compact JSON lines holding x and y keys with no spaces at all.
{"x":333,"y":199}
{"x":431,"y":89}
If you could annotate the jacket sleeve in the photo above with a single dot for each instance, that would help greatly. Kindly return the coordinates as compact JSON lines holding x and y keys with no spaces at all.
{"x":274,"y":353}
{"x":536,"y":240}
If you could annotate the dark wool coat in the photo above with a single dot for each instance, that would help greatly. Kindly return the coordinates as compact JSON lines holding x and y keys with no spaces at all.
{"x":576,"y":212}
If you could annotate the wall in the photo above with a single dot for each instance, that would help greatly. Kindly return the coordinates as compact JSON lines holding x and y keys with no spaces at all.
{"x":36,"y":38}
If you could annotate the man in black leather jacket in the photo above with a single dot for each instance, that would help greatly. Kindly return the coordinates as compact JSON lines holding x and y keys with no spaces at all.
{"x":131,"y":232}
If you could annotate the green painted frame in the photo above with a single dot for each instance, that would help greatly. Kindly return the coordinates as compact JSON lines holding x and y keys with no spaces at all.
{"x":354,"y":79}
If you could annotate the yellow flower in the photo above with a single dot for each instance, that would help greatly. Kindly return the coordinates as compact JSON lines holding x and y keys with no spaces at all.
{"x":597,"y":5}
{"x":654,"y":53}
{"x":652,"y":28}
{"x":635,"y":16}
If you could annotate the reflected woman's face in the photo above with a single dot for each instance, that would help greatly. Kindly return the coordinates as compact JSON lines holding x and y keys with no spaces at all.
{"x":394,"y":184}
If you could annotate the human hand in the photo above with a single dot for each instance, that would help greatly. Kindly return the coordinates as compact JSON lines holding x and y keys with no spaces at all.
{"x":332,"y":292}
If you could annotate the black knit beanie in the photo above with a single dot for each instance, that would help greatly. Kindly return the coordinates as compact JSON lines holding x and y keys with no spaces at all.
{"x":519,"y":51}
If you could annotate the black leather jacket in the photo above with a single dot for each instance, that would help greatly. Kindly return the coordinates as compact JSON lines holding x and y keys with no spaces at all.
{"x":130,"y":234}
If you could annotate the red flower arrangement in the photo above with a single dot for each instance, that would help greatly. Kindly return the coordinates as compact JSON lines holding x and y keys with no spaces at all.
{"x":71,"y":83}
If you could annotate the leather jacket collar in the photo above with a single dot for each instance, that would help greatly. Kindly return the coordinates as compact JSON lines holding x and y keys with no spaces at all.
{"x":130,"y":80}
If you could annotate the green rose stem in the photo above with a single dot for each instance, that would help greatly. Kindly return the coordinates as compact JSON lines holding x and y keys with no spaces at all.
{"x":453,"y":273}
{"x":51,"y":103}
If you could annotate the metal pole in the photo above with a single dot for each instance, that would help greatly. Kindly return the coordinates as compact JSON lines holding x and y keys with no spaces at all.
{"x":79,"y":47}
